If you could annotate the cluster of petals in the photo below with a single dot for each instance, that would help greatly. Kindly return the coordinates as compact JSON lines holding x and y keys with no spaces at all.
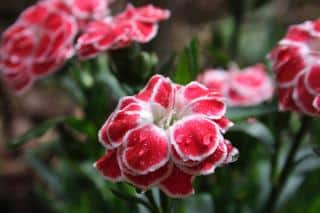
{"x":38,"y":43}
{"x":247,"y":87}
{"x":43,"y":38}
{"x":165,"y":136}
{"x":132,"y":25}
{"x":296,"y":64}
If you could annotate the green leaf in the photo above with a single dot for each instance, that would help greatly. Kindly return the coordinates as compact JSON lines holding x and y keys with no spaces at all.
{"x":240,"y":113}
{"x":257,"y":130}
{"x":82,"y":126}
{"x":131,"y":198}
{"x":97,"y":179}
{"x":188,"y":64}
{"x":200,"y":203}
{"x":74,"y":90}
{"x":35,"y":132}
{"x":46,"y":174}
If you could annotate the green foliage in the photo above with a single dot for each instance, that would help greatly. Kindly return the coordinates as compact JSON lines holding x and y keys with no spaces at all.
{"x":69,"y":183}
{"x":239,"y":113}
{"x":188,"y":64}
{"x":34,"y":133}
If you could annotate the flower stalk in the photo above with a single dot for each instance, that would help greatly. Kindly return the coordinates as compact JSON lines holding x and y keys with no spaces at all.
{"x":278,"y":185}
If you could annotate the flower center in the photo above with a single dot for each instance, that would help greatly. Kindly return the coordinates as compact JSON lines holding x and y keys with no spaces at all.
{"x":169,"y":118}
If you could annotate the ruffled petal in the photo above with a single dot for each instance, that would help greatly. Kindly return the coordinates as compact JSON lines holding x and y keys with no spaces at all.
{"x":208,"y":165}
{"x":195,"y":138}
{"x":316,"y":103}
{"x":224,"y":123}
{"x":288,"y":65}
{"x":312,"y":80}
{"x":153,"y":178}
{"x":302,"y":97}
{"x":211,"y":107}
{"x":120,"y":122}
{"x":143,"y":32}
{"x":159,"y":90}
{"x":178,"y":184}
{"x":151,"y":14}
{"x":286,"y":101}
{"x":233,"y":153}
{"x":146,"y":149}
{"x":108,"y":166}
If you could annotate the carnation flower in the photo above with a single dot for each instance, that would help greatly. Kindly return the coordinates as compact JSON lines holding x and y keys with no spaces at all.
{"x":166,"y":135}
{"x":89,"y":9}
{"x":132,"y":25}
{"x":248,"y":87}
{"x":296,"y":64}
{"x":37,"y":44}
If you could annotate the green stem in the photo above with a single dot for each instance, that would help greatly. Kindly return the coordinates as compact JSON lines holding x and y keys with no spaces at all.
{"x":278,"y":185}
{"x":152,"y":201}
{"x":130,"y":198}
{"x":281,"y":122}
{"x":166,"y":203}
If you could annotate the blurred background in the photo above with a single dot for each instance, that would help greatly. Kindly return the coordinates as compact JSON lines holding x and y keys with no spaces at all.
{"x":252,"y":26}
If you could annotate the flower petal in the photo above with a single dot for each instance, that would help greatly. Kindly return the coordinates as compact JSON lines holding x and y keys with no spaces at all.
{"x":212,"y":107}
{"x":288,"y":65}
{"x":208,"y":165}
{"x":146,"y":149}
{"x":312,"y":80}
{"x":233,"y":153}
{"x":120,"y":122}
{"x":153,"y":178}
{"x":223,"y":123}
{"x":178,"y":184}
{"x":303,"y":98}
{"x":195,"y":138}
{"x":316,"y":103}
{"x":108,"y":166}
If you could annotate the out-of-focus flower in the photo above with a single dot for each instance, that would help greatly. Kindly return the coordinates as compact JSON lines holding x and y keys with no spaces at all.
{"x":132,"y":25}
{"x":166,"y":135}
{"x":248,"y":87}
{"x":89,"y":9}
{"x":37,"y":44}
{"x":296,"y":64}
{"x":86,"y":11}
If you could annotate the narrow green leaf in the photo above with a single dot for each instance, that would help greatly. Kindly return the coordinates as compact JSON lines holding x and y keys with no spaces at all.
{"x":240,"y":113}
{"x":256,"y":130}
{"x":97,"y":179}
{"x":45,"y":173}
{"x":200,"y":203}
{"x":131,"y":198}
{"x":82,"y":126}
{"x":188,"y":64}
{"x":35,"y":132}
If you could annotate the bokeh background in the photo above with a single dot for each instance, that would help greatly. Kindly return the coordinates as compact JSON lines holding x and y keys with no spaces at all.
{"x":262,"y":23}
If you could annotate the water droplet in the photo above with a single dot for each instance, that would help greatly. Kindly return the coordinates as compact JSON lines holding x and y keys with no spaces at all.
{"x":207,"y":140}
{"x":141,"y":153}
{"x":234,"y":155}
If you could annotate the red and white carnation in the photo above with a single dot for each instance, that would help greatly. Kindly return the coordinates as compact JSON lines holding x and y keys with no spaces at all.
{"x":247,"y":87}
{"x":296,"y":64}
{"x":165,"y":136}
{"x":37,"y":44}
{"x":132,"y":25}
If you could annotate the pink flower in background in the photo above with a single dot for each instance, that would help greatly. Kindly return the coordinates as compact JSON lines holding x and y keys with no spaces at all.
{"x":86,"y":11}
{"x":166,"y":135}
{"x":132,"y":25}
{"x":296,"y":64}
{"x":37,"y":44}
{"x":248,"y":87}
{"x":89,"y":9}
